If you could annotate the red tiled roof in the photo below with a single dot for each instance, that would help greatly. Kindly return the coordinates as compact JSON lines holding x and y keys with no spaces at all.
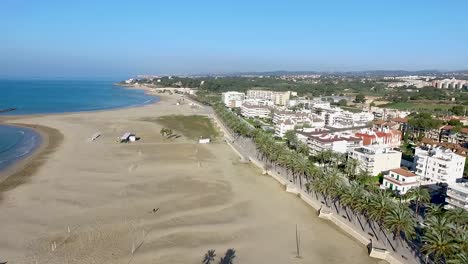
{"x":400,"y":120}
{"x":403,"y":172}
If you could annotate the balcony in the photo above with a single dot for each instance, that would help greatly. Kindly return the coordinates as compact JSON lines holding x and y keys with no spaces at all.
{"x":457,"y":203}
{"x":457,"y":195}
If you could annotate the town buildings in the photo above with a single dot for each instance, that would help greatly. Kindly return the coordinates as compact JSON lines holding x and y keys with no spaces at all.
{"x":450,"y":84}
{"x":232,"y":99}
{"x":279,"y":98}
{"x":400,"y":180}
{"x":457,"y":196}
{"x":382,"y":136}
{"x":376,"y":159}
{"x":290,"y":120}
{"x":336,"y":142}
{"x":438,"y":165}
{"x":251,"y":111}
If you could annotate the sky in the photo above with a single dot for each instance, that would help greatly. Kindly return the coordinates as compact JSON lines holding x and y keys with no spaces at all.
{"x":118,"y":39}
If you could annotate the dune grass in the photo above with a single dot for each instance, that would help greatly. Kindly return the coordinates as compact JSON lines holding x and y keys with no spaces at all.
{"x":192,"y":126}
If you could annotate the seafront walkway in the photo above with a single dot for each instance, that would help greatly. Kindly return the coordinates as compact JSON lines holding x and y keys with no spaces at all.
{"x":379,"y":244}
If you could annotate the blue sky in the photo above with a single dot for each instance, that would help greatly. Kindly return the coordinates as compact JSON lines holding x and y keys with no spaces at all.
{"x":61,"y":39}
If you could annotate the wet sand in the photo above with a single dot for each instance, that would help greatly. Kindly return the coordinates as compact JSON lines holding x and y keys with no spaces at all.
{"x":82,"y":201}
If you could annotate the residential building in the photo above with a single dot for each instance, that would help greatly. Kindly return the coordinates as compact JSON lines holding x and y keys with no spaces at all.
{"x":383,"y":136}
{"x":261,"y":102}
{"x":400,"y":180}
{"x":284,"y":126}
{"x":289,"y":120}
{"x":376,"y":159}
{"x":279,"y":98}
{"x":438,"y":165}
{"x":336,"y":142}
{"x":457,"y":196}
{"x":251,"y":111}
{"x":233,"y":99}
{"x":450,"y":84}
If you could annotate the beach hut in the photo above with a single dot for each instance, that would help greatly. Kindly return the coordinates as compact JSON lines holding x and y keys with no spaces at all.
{"x":128,"y":137}
{"x":204,"y":141}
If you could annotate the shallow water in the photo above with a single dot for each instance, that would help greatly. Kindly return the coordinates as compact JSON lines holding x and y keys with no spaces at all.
{"x":42,"y":96}
{"x":16,"y":143}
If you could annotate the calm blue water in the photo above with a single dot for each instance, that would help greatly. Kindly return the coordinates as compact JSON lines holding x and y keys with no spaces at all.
{"x":41,"y":97}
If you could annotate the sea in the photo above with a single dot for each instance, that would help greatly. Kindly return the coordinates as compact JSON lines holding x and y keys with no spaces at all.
{"x":55,"y":96}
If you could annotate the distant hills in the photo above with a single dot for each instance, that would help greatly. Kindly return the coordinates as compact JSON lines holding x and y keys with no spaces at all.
{"x":373,"y":73}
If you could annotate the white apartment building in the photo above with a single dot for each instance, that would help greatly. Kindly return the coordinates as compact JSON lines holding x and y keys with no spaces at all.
{"x":400,"y":180}
{"x":232,"y":99}
{"x":279,"y":98}
{"x":438,"y":165}
{"x":251,"y":111}
{"x":457,"y":196}
{"x":288,"y":120}
{"x":284,"y":126}
{"x":335,"y":142}
{"x":337,"y":118}
{"x":376,"y":159}
{"x":450,"y":84}
{"x":260,"y":102}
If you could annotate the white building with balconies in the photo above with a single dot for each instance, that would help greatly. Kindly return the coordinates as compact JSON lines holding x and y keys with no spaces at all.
{"x":251,"y":111}
{"x":376,"y":159}
{"x":233,"y":99}
{"x":438,"y":165}
{"x":457,"y":196}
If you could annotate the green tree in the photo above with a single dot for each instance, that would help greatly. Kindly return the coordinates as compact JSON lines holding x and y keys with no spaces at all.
{"x":400,"y":220}
{"x":360,"y":98}
{"x":440,"y":244}
{"x":419,"y":195}
{"x":458,"y":110}
{"x":291,"y":138}
{"x":343,"y":102}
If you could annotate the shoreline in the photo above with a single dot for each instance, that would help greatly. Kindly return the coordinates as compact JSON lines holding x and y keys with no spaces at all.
{"x":20,"y":172}
{"x":22,"y":169}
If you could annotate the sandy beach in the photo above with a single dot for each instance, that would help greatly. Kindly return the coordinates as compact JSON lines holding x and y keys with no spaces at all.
{"x":83,"y":201}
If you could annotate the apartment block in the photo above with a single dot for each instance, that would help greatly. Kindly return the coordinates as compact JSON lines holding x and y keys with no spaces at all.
{"x":376,"y":159}
{"x":279,"y":98}
{"x":438,"y":165}
{"x":457,"y":196}
{"x":251,"y":111}
{"x":232,"y":99}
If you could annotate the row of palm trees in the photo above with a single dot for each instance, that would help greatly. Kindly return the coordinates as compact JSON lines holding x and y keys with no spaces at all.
{"x":440,"y":236}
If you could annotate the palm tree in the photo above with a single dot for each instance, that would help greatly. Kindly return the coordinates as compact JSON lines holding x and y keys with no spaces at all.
{"x":434,"y":210}
{"x":460,"y":258}
{"x":461,"y":237}
{"x":350,"y":168}
{"x":228,"y":257}
{"x":400,"y":220}
{"x":302,"y":166}
{"x":438,"y":223}
{"x":438,"y":243}
{"x":209,"y":256}
{"x":419,"y":195}
{"x":380,"y":205}
{"x":459,"y":217}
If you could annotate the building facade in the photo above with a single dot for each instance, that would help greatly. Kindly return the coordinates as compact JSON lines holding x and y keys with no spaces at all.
{"x":279,"y":98}
{"x":400,"y":180}
{"x":376,"y":159}
{"x":457,"y":196}
{"x":438,"y":165}
{"x":233,"y":99}
{"x":251,"y":111}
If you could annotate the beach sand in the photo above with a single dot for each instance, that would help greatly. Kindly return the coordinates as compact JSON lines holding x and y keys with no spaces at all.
{"x":82,"y":201}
